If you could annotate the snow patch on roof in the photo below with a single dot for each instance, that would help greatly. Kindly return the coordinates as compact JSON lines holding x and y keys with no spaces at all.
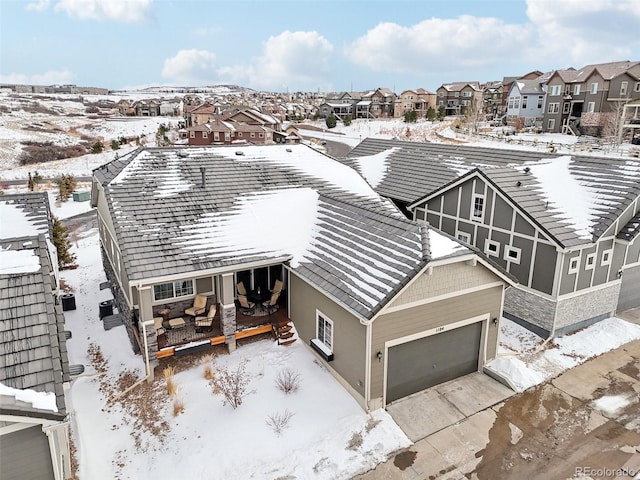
{"x":171,"y":180}
{"x":18,"y":261}
{"x":317,"y":166}
{"x":40,"y":400}
{"x":15,"y":223}
{"x":247,"y":229}
{"x":374,"y":167}
{"x":566,"y":194}
{"x":442,"y":246}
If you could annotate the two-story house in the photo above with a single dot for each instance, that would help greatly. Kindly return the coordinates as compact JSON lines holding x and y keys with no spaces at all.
{"x":567,"y":227}
{"x":419,"y":100}
{"x":526,"y":101}
{"x":460,"y":98}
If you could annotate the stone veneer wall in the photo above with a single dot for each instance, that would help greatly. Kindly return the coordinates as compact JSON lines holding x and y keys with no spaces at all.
{"x":533,"y":309}
{"x":120,"y":301}
{"x":593,"y":305}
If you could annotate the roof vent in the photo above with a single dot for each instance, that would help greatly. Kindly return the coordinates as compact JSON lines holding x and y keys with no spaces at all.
{"x":239,"y":152}
{"x":289,"y":150}
{"x":182,"y":153}
{"x":527,"y":169}
{"x":519,"y":184}
{"x":204,"y":178}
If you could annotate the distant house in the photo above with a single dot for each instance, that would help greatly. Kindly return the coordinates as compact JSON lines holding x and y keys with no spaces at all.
{"x":507,"y":82}
{"x":34,"y":438}
{"x":147,"y":108}
{"x":378,"y":103}
{"x":226,"y":132}
{"x":460,"y":98}
{"x":388,"y":306}
{"x":526,"y":101}
{"x":418,"y":100}
{"x":251,"y":116}
{"x":567,"y":227}
{"x":491,"y":99}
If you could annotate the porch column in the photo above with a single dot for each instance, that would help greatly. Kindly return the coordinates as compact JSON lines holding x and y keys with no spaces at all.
{"x":228,"y":310}
{"x":145,"y":314}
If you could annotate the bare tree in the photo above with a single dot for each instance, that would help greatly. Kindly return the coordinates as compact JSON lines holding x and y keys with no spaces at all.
{"x":614,"y":122}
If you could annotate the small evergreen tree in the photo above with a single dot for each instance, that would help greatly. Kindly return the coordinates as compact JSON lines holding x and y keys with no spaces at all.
{"x":30,"y":183}
{"x":66,"y":259}
{"x":97,"y":147}
{"x":410,"y":116}
{"x":347,"y":120}
{"x":66,"y":185}
{"x":431,"y":114}
{"x":442,"y":112}
{"x":115,"y":145}
{"x":331,"y":121}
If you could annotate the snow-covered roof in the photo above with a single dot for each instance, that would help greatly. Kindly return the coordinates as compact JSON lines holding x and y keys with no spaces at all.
{"x":24,"y":215}
{"x":262,"y":204}
{"x":574,"y":198}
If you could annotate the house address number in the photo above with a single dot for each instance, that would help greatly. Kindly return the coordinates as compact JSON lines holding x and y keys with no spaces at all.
{"x":440,"y":329}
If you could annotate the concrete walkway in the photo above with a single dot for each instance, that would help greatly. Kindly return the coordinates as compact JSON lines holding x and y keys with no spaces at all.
{"x":583,"y":424}
{"x":632,"y":315}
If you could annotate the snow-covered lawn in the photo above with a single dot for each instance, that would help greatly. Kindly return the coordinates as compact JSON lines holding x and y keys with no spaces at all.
{"x":525,"y":360}
{"x":138,"y":436}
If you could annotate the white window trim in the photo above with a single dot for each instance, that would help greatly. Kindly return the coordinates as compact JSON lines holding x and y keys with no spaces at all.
{"x":325,"y":348}
{"x":576,"y":89}
{"x":551,"y":124}
{"x":594,"y":88}
{"x":205,"y":135}
{"x":492,"y":243}
{"x":608,"y":254}
{"x":474,"y":217}
{"x":574,"y":263}
{"x":192,"y":134}
{"x":508,"y":258}
{"x":553,"y":108}
{"x":624,"y":88}
{"x":636,"y":88}
{"x":590,"y":261}
{"x":464,"y":237}
{"x":591,"y":107}
{"x":173,"y":286}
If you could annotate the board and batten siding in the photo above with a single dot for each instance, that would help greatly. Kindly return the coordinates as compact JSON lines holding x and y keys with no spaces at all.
{"x":418,"y":318}
{"x":25,"y":454}
{"x":451,"y":212}
{"x":349,"y":335}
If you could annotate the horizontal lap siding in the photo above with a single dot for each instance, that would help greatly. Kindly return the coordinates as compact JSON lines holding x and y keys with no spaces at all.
{"x":349,"y":336}
{"x":425,"y":317}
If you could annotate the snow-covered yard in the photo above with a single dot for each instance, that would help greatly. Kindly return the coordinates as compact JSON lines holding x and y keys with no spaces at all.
{"x":138,"y":435}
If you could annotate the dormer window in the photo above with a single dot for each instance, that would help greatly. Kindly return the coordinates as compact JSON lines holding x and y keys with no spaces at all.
{"x":477,"y":212}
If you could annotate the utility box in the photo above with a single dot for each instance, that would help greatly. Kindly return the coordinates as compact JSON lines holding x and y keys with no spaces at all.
{"x":81,"y":196}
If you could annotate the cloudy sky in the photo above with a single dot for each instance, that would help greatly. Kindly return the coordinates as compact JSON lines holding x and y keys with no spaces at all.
{"x":293,"y":45}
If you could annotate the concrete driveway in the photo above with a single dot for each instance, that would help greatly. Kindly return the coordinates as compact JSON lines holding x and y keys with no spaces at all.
{"x":583,"y":424}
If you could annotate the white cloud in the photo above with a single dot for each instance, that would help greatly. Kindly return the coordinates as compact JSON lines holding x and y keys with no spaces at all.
{"x":579,"y":32}
{"x":47,"y":78}
{"x":118,"y":10}
{"x":191,"y":67}
{"x":295,"y":60}
{"x":439,"y":44}
{"x":38,"y":6}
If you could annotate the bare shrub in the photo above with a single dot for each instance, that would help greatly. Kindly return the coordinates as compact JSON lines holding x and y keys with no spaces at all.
{"x":178,"y":406}
{"x":288,"y":380}
{"x":279,"y":421}
{"x":207,"y":362}
{"x":40,"y":152}
{"x":355,"y":442}
{"x":172,"y":388}
{"x":232,"y":384}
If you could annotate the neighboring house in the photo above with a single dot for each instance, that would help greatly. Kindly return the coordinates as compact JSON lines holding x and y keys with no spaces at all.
{"x":389,"y":306}
{"x":460,"y":98}
{"x":526,"y":102}
{"x":124,"y":107}
{"x":567,"y":227}
{"x":589,"y":100}
{"x":251,"y":116}
{"x":340,"y":110}
{"x":491,"y":98}
{"x":419,"y":100}
{"x":202,"y":114}
{"x":506,"y":88}
{"x":382,"y":103}
{"x":221,"y":132}
{"x":290,"y":136}
{"x":34,"y":438}
{"x":147,"y":108}
{"x":171,"y":108}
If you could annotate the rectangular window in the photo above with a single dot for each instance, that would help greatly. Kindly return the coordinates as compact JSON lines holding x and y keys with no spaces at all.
{"x":540,"y":101}
{"x":239,"y":134}
{"x":553,"y":108}
{"x":179,"y":288}
{"x":205,"y":135}
{"x":576,"y":89}
{"x":565,"y":107}
{"x":590,"y":261}
{"x":511,"y":100}
{"x":457,"y":94}
{"x":524,"y":101}
{"x":551,"y":124}
{"x":606,"y":257}
{"x":555,"y":90}
{"x":260,"y":135}
{"x":512,"y":254}
{"x":324,"y":331}
{"x":216,"y":136}
{"x":623,"y":88}
{"x":478,"y":208}
{"x":464,"y":237}
{"x":466,"y":94}
{"x":637,"y":87}
{"x":492,"y":248}
{"x":192,"y":134}
{"x":567,"y":89}
{"x":573,"y":265}
{"x":253,"y":135}
{"x":227,"y":136}
{"x":594,"y":88}
{"x":591,"y":107}
{"x":516,"y":102}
